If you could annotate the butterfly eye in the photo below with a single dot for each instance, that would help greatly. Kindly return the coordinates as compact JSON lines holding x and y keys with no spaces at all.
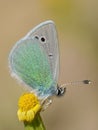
{"x":43,"y":39}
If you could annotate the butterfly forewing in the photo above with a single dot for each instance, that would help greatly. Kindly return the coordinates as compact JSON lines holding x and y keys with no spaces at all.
{"x":48,"y":31}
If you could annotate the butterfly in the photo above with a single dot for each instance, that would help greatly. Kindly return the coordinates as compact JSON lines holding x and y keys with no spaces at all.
{"x":34,"y":61}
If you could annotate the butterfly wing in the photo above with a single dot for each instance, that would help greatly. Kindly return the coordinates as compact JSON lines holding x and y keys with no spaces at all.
{"x":48,"y":31}
{"x":30,"y":62}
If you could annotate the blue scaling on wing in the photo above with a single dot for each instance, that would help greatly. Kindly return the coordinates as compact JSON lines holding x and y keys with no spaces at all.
{"x":30,"y":63}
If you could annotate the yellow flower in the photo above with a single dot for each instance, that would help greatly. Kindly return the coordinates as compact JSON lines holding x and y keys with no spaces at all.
{"x":29,"y":105}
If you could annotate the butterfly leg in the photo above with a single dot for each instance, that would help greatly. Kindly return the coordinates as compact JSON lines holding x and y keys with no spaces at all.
{"x":46,"y":103}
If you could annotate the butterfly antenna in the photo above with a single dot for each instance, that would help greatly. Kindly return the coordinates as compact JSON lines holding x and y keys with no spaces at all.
{"x":77,"y":83}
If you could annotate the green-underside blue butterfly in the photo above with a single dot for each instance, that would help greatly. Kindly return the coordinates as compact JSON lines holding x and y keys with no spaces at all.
{"x":34,"y":61}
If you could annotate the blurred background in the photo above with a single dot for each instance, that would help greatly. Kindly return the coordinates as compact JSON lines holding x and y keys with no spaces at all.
{"x":77,"y":25}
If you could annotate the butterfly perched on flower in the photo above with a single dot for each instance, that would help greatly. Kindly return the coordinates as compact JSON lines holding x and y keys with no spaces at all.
{"x":34,"y":61}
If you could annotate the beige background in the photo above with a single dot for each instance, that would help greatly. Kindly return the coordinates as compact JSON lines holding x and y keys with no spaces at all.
{"x":77,"y":25}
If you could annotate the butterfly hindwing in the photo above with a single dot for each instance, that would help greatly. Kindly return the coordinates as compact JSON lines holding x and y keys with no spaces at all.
{"x":29,"y":62}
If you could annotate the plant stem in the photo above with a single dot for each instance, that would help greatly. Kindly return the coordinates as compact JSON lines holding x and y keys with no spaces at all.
{"x":36,"y":124}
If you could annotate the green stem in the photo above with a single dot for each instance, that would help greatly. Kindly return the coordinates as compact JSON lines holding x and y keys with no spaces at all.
{"x":36,"y":124}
